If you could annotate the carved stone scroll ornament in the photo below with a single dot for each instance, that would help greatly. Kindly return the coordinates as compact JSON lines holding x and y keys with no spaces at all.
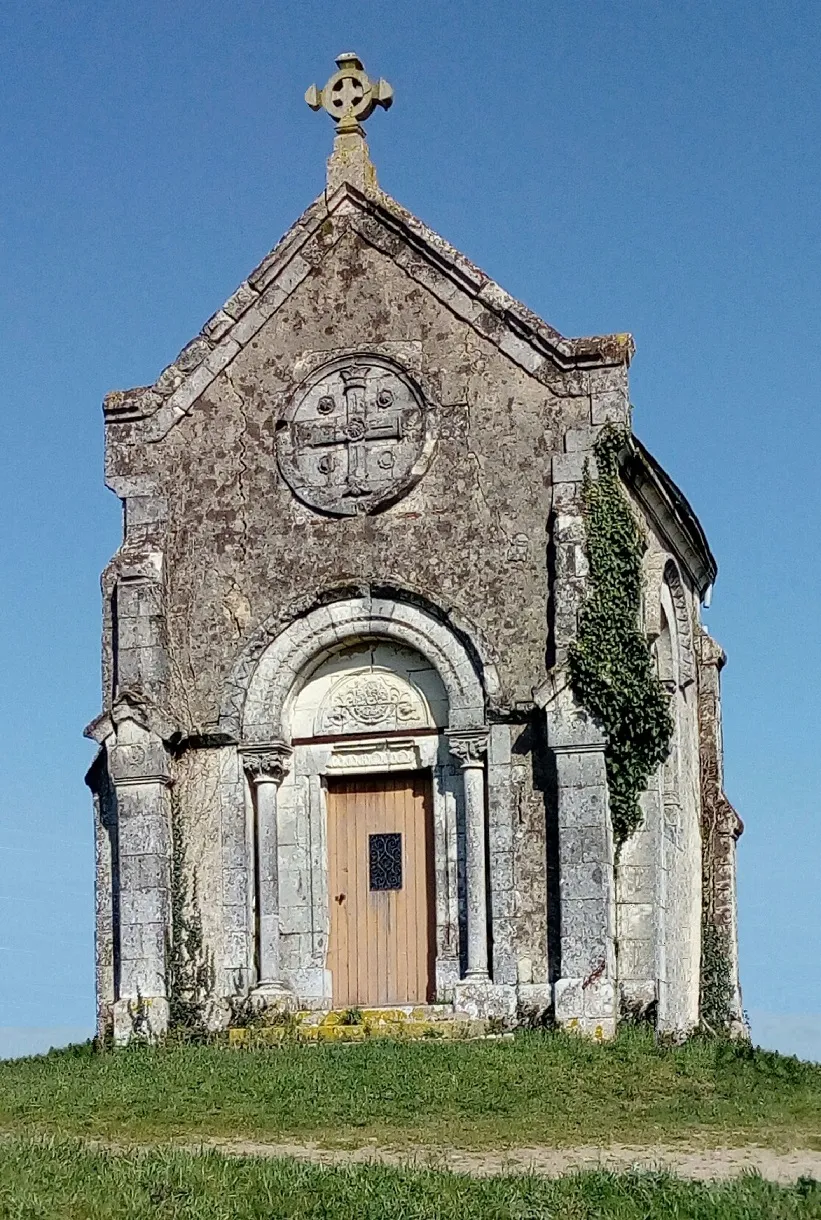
{"x":354,"y":437}
{"x":366,"y":702}
{"x":469,"y":748}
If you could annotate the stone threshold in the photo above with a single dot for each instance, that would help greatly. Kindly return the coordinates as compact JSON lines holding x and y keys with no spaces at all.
{"x":403,"y":1022}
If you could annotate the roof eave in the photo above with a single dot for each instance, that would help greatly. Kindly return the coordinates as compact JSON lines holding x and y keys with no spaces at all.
{"x":671,"y":513}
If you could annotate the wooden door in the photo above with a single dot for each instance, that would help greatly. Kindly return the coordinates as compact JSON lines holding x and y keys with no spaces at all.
{"x":380,"y":870}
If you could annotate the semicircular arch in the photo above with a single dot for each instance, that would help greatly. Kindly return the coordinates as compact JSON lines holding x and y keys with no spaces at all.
{"x":662,"y":572}
{"x":262,"y":687}
{"x":684,"y":624}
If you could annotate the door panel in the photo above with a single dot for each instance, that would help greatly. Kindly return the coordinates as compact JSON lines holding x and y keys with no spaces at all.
{"x":380,"y":870}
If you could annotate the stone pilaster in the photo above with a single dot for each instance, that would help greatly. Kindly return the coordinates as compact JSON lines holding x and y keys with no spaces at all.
{"x":137,"y":656}
{"x":106,"y":913}
{"x":139,"y":638}
{"x":266,"y":765}
{"x":584,"y":994}
{"x":139,"y":772}
{"x":720,"y":824}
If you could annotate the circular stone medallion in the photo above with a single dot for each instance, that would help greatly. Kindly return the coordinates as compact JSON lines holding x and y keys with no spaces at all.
{"x":354,"y":437}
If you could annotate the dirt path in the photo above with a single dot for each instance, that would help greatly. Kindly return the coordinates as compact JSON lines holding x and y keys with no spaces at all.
{"x":698,"y":1164}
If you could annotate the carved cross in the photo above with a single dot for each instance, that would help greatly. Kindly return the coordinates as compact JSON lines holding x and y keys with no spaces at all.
{"x":360,"y":426}
{"x":350,"y":96}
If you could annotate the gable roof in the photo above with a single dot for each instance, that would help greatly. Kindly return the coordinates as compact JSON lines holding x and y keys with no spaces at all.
{"x":558,"y":362}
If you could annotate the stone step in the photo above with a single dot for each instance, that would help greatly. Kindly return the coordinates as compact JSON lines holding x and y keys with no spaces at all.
{"x":392,"y":1014}
{"x":401,"y":1022}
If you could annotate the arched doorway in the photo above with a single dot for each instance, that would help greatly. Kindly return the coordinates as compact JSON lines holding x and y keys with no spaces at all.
{"x":379,"y":710}
{"x":347,"y":697}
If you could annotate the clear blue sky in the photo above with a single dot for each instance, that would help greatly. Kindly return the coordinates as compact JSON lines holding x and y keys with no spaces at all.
{"x":632,"y":166}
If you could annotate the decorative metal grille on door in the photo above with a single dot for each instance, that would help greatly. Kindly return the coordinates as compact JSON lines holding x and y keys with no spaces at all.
{"x":385,"y":861}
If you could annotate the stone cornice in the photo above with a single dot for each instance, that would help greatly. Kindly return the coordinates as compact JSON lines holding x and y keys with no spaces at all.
{"x":130,"y":705}
{"x":710,"y":651}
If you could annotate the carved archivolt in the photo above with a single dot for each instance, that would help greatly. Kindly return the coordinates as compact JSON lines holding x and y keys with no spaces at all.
{"x":261,"y":690}
{"x":661,"y":570}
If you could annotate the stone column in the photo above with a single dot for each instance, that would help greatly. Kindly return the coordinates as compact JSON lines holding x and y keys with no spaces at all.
{"x":266,"y":766}
{"x":470,"y":749}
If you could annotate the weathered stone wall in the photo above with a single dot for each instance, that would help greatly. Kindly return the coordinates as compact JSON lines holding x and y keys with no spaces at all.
{"x":471,"y":535}
{"x":471,"y":539}
{"x":196,"y":794}
{"x":106,"y":895}
{"x":659,"y":871}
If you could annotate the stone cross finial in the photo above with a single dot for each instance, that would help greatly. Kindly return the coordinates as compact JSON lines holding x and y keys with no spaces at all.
{"x":349,"y":97}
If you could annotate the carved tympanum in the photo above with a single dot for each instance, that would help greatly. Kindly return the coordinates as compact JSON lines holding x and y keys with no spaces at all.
{"x":354,"y":437}
{"x":372,"y":701}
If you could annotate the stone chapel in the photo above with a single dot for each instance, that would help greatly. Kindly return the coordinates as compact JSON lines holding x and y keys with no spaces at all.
{"x":337,"y":715}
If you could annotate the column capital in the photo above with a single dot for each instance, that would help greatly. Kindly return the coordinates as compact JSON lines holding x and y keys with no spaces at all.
{"x":266,"y":762}
{"x":469,"y":746}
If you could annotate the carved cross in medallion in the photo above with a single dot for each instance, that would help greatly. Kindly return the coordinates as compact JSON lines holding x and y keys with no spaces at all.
{"x":362,"y":424}
{"x":354,"y":436}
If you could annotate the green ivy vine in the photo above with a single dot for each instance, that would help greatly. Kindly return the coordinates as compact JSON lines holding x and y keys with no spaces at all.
{"x":189,"y":964}
{"x":716,"y":981}
{"x":611,"y":667}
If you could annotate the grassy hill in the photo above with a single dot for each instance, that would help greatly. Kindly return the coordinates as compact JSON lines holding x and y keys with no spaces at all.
{"x":70,"y":1119}
{"x":535,"y":1088}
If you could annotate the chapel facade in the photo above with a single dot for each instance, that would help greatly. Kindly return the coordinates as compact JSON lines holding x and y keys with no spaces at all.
{"x":336,"y":703}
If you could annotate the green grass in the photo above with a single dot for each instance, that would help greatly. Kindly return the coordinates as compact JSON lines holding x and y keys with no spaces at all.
{"x":536,"y":1089}
{"x":45,"y":1180}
